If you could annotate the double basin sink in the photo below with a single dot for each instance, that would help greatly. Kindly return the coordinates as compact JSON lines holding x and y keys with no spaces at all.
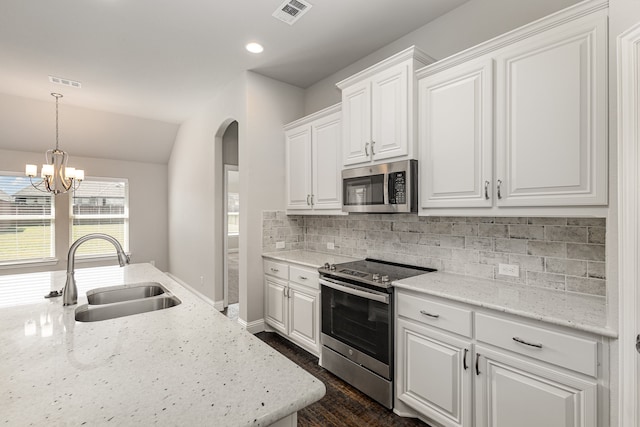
{"x":119,"y":301}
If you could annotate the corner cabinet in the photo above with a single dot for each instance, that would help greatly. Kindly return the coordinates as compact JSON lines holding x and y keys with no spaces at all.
{"x":378,"y":108}
{"x":313,"y":146}
{"x":459,"y":365}
{"x":292,"y":303}
{"x":539,"y":96}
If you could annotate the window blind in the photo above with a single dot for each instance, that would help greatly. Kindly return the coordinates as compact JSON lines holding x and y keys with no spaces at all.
{"x":100,"y":205}
{"x":26,"y":221}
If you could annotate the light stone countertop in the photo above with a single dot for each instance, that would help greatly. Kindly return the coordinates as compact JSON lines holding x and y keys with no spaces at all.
{"x":578,"y":311}
{"x":185,"y":365}
{"x":308,"y":258}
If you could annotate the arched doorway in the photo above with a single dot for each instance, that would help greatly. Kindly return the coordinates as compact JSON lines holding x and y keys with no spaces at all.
{"x":230,"y":212}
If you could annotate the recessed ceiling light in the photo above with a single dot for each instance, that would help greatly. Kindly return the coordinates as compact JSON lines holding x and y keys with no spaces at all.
{"x":254,"y":47}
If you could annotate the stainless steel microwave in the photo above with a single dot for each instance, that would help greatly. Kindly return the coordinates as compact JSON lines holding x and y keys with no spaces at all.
{"x":384,"y":188}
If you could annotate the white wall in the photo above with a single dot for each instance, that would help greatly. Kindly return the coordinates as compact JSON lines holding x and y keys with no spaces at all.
{"x":464,"y":27}
{"x":270,"y":105}
{"x":148,"y":225}
{"x":261,"y":106}
{"x":622,"y":15}
{"x":195,"y":186}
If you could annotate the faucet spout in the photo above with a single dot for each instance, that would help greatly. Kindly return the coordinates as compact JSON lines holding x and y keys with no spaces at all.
{"x":70,"y":291}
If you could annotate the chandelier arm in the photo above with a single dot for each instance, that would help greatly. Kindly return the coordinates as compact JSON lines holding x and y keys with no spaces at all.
{"x":37,"y":187}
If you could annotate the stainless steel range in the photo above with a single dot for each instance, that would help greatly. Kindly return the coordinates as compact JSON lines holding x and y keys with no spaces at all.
{"x":357,"y":323}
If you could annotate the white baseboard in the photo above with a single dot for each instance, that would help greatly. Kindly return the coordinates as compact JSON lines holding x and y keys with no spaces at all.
{"x":218,"y":305}
{"x":253,"y":327}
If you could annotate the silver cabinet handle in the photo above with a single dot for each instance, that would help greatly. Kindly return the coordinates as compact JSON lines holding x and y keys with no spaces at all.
{"x":521,"y":341}
{"x":464,"y":359}
{"x":435,"y":316}
{"x":499,"y":189}
{"x":308,"y":195}
{"x":477,"y":363}
{"x":486,"y":190}
{"x":372,"y":144}
{"x":366,"y":149}
{"x":275,"y":270}
{"x":303,"y":277}
{"x":312,"y":200}
{"x":638,"y":343}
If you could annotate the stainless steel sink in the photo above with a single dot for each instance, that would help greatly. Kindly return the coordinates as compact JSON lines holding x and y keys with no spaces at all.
{"x":94,"y":313}
{"x":111,"y":294}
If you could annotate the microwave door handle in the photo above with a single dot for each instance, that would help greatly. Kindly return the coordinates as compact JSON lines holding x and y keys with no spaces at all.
{"x":387,"y":183}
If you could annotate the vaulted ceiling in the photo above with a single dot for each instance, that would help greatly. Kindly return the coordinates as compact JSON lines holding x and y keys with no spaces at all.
{"x":164,"y":59}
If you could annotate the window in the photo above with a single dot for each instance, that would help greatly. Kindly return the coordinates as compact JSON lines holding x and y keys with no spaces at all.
{"x":100,"y":205}
{"x":26,"y":221}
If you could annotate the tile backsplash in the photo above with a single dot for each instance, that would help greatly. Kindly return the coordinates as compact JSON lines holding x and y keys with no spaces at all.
{"x":561,"y":253}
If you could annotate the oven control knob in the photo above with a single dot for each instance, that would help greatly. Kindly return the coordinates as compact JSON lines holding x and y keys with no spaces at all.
{"x":332,"y":267}
{"x":326,"y":266}
{"x":384,"y":279}
{"x":376,"y":277}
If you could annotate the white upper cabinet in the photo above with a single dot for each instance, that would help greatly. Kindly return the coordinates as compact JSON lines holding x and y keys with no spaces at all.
{"x":551,"y":116}
{"x":456,"y":136}
{"x":299,"y":170}
{"x":378,"y":110}
{"x":356,"y":112}
{"x":519,"y":121}
{"x":326,"y":134}
{"x":314,"y":162}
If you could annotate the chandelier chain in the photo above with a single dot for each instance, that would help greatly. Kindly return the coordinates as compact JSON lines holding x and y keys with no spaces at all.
{"x":57,"y":96}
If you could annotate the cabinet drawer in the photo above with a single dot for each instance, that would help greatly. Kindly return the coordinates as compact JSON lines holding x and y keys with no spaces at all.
{"x":304,"y":276}
{"x":578,"y":354}
{"x":440,"y":315}
{"x":276,"y":269}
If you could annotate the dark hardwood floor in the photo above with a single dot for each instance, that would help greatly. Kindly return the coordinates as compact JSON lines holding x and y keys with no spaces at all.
{"x":343,"y":405}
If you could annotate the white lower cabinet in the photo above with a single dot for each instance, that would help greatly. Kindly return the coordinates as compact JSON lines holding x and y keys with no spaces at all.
{"x":435,"y":375}
{"x":457,"y":365}
{"x":511,"y":391}
{"x":292,"y":303}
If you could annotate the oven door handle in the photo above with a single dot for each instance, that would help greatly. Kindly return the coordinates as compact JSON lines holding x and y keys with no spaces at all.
{"x":346,"y":288}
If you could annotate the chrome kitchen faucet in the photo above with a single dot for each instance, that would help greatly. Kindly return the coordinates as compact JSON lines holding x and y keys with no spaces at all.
{"x":70,"y":292}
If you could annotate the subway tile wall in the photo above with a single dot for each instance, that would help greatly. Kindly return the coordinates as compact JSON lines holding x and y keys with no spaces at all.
{"x":566,"y":254}
{"x":278,"y":227}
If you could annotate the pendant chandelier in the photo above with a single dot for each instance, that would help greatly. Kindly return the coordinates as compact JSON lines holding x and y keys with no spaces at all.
{"x":57,"y":178}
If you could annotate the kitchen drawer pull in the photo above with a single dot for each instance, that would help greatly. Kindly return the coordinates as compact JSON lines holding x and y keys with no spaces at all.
{"x":426,"y":313}
{"x":477,"y":363}
{"x":275,"y":270}
{"x":521,"y":341}
{"x":464,"y":359}
{"x":303,"y":277}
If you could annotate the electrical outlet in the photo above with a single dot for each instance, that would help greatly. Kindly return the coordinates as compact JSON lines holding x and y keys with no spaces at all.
{"x":279,"y":245}
{"x":509,"y":270}
{"x":331,"y":245}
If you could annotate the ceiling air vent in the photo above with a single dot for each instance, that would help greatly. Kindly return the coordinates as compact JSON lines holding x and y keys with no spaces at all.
{"x":65,"y":82}
{"x":291,"y":10}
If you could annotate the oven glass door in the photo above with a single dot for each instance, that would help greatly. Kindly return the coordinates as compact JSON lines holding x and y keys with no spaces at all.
{"x":359,"y":322}
{"x":364,"y":190}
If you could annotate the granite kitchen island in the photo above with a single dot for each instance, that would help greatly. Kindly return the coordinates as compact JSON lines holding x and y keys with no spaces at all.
{"x":184,"y":365}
